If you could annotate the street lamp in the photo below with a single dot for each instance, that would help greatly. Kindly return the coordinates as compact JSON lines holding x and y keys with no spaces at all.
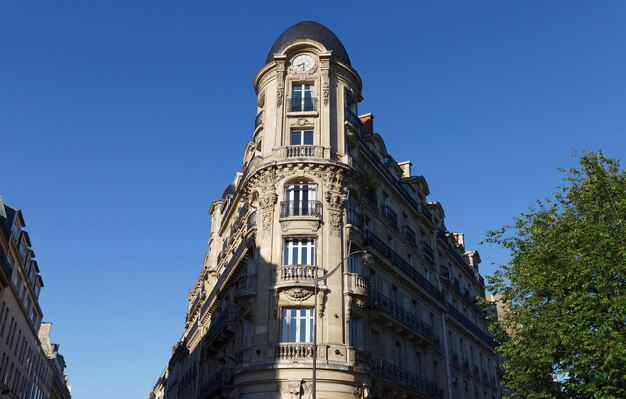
{"x":366,"y":259}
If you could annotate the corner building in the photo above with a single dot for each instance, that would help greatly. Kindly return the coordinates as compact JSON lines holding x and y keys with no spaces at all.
{"x":317,"y":185}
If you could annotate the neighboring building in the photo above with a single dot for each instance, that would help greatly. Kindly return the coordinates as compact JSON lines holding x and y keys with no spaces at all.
{"x":317,"y":188}
{"x":31,"y":367}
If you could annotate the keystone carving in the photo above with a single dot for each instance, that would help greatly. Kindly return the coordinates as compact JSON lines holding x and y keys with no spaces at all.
{"x":298,"y":294}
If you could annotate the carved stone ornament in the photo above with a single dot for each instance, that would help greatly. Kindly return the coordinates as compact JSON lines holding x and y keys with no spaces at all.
{"x":292,"y":389}
{"x":334,"y":222}
{"x":335,"y":200}
{"x":300,"y":122}
{"x":362,"y":392}
{"x":279,"y":95}
{"x":267,"y":202}
{"x":298,"y":294}
{"x":325,"y":93}
{"x":266,"y":222}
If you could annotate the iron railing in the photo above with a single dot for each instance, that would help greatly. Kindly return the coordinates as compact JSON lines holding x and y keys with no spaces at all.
{"x":229,"y":314}
{"x":397,"y":312}
{"x":403,"y":377}
{"x":298,"y":104}
{"x":353,"y":119}
{"x":224,"y":377}
{"x":300,"y":208}
{"x":470,"y":326}
{"x":395,"y":259}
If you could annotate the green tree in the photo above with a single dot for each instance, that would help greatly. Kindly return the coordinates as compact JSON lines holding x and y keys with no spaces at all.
{"x":563,"y":330}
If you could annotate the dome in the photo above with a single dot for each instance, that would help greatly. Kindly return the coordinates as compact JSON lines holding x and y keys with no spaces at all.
{"x":314,"y":31}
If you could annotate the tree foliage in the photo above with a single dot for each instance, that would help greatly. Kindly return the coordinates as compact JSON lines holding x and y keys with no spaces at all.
{"x":563,"y":330}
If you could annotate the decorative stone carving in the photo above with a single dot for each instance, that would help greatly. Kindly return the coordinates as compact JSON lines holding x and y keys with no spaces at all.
{"x":335,"y":200}
{"x":279,"y":94}
{"x":362,"y":392}
{"x":292,"y":389}
{"x":300,"y":122}
{"x":325,"y":93}
{"x":334,"y":222}
{"x":298,"y":294}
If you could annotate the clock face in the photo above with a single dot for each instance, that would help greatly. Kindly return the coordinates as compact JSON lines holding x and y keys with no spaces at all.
{"x":303,"y":63}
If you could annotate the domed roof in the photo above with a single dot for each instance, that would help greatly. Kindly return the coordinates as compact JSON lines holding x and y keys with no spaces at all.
{"x":314,"y":31}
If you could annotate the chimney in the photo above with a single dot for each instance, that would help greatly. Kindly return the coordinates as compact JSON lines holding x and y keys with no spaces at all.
{"x":406,"y":168}
{"x":459,"y":238}
{"x":368,"y":124}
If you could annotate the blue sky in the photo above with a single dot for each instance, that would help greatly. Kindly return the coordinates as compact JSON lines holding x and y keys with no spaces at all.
{"x":121,"y":121}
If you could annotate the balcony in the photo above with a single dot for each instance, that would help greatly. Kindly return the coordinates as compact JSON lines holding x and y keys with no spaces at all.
{"x":390,"y":215}
{"x":293,"y":351}
{"x":353,"y":119}
{"x":222,"y":379}
{"x":258,"y":120}
{"x":393,"y":310}
{"x":307,"y":104}
{"x":396,"y":375}
{"x":291,"y":209}
{"x":304,"y":151}
{"x":470,"y":326}
{"x":296,"y":275}
{"x":389,"y":255}
{"x":219,"y":324}
{"x":428,"y":250}
{"x":245,"y":287}
{"x":356,"y":284}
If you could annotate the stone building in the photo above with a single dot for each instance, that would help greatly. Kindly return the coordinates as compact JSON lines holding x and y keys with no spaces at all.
{"x":324,"y":238}
{"x":30,"y":367}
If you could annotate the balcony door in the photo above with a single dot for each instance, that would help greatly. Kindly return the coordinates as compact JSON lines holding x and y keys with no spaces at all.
{"x":301,"y":199}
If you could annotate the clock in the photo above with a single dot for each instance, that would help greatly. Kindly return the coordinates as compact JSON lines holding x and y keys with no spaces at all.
{"x":303,"y":63}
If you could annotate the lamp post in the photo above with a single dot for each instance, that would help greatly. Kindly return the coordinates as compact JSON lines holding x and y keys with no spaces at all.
{"x":366,"y":259}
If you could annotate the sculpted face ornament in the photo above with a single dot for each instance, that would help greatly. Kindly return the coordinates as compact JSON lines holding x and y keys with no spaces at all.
{"x":303,"y":63}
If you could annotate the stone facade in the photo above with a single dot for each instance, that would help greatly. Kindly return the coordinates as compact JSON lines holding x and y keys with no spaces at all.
{"x":317,"y":188}
{"x":31,"y":367}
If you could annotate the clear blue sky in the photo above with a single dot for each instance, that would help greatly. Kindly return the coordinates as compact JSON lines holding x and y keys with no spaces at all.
{"x":121,"y":121}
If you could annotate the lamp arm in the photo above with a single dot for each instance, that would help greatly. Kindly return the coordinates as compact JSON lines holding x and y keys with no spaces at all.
{"x":327,"y":276}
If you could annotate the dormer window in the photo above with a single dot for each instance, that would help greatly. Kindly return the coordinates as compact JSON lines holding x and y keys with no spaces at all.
{"x":302,"y":97}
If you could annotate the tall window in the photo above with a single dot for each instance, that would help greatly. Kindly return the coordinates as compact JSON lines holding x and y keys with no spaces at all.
{"x":299,"y":251}
{"x":300,"y":199}
{"x":354,"y":264}
{"x":297,"y":325}
{"x":302,"y":97}
{"x":356,"y":333}
{"x":301,"y":137}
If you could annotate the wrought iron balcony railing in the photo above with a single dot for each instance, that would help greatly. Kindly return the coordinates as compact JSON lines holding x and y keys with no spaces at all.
{"x":397,"y":312}
{"x":395,"y":259}
{"x":353,"y":119}
{"x":297,"y":104}
{"x":230,"y":314}
{"x":470,"y":326}
{"x":300,"y":208}
{"x":405,"y":378}
{"x":224,"y":377}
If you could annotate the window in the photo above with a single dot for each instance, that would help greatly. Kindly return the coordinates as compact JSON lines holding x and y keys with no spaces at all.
{"x":300,"y":199}
{"x":299,"y":251}
{"x":17,"y":281}
{"x":297,"y":325}
{"x":302,"y":97}
{"x":356,"y":333}
{"x":355,"y":265}
{"x":301,"y":137}
{"x":374,"y":344}
{"x":398,"y":354}
{"x":15,"y":231}
{"x":10,"y":260}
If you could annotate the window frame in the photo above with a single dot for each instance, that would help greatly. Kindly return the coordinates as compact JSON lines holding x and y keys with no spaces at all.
{"x":297,"y":323}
